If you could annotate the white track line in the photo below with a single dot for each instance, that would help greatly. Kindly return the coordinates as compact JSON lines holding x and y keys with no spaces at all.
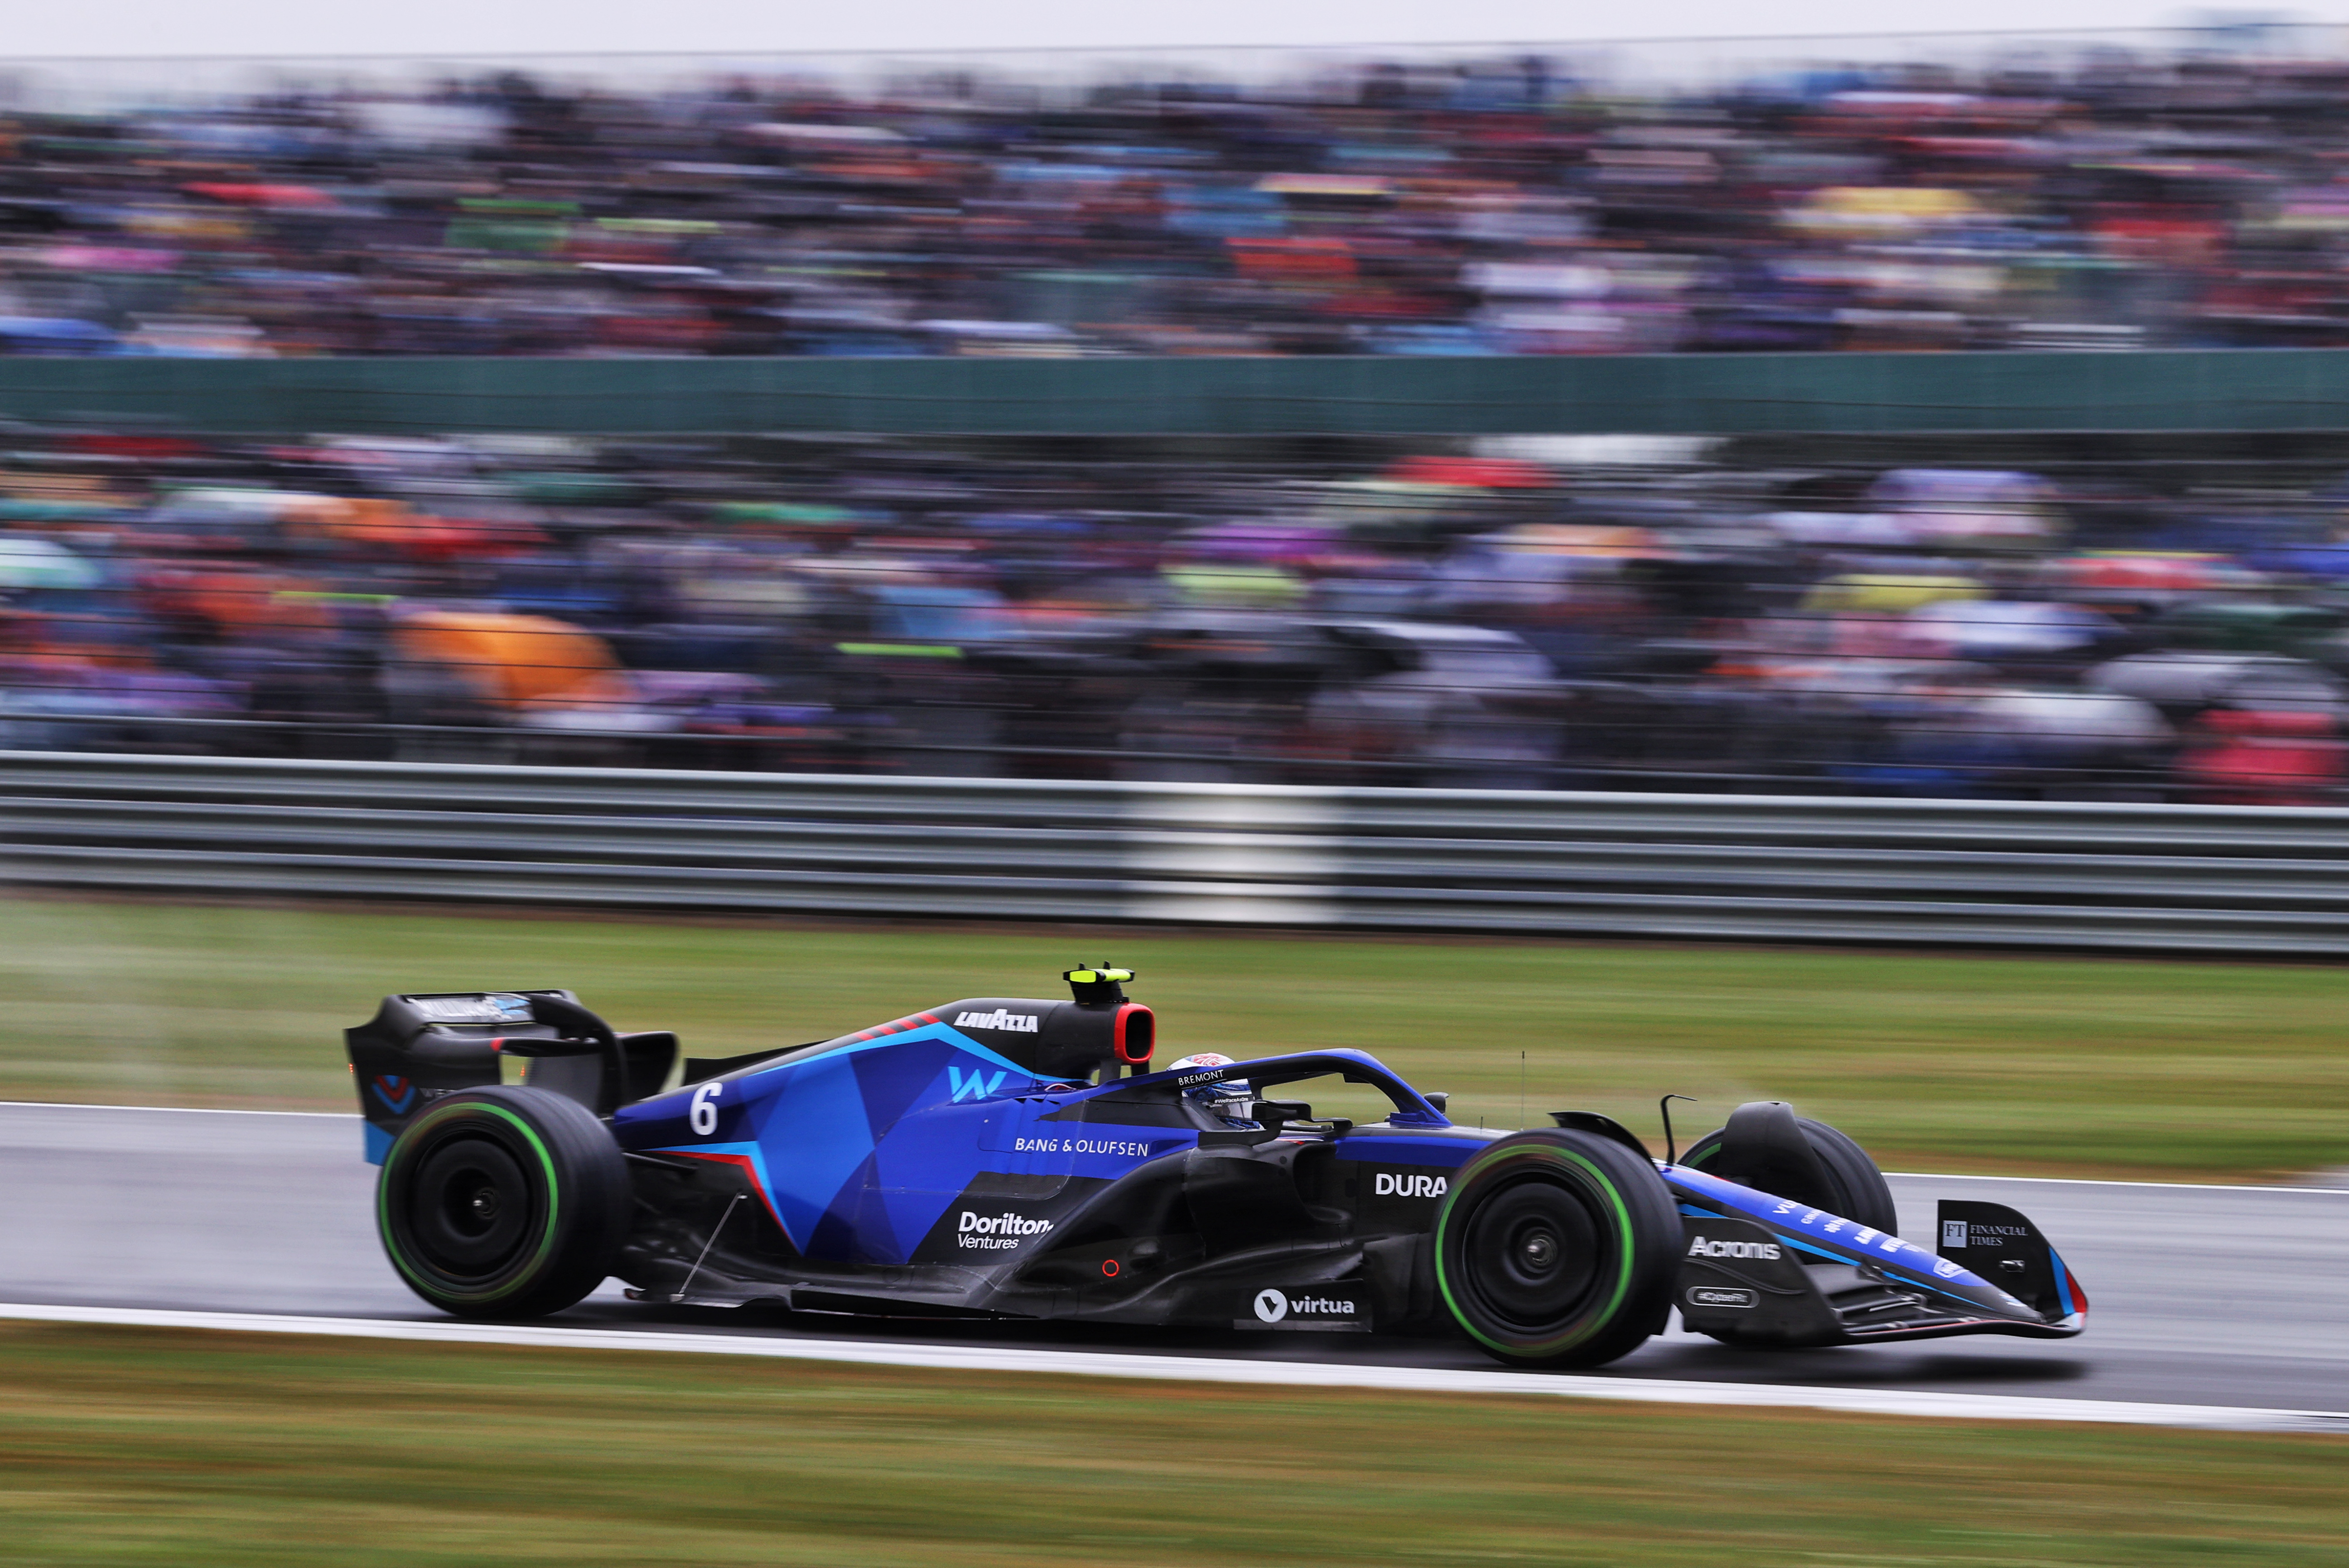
{"x":1909,"y":1174}
{"x":1280,"y":1374}
{"x":2102,"y":1181}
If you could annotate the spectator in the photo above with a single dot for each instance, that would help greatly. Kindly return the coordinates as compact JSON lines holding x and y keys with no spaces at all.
{"x":1492,"y":207}
{"x":1370,"y":617}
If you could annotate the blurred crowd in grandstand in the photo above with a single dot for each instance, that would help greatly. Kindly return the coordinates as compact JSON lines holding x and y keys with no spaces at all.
{"x":1374,"y":616}
{"x":2117,"y":201}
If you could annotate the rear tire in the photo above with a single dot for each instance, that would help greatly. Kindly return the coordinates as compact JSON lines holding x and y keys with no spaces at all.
{"x":1857,"y":1187}
{"x":1556,"y":1248}
{"x":505,"y":1202}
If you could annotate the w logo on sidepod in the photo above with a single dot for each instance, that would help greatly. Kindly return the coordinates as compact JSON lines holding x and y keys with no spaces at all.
{"x":396,"y":1094}
{"x":978,"y":1086}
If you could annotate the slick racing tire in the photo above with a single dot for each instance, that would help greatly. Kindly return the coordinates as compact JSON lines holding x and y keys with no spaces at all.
{"x":508,"y":1203}
{"x":1557,"y":1248}
{"x":1857,"y":1189}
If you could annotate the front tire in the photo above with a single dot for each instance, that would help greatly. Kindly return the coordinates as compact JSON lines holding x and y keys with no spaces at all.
{"x":505,"y":1202}
{"x":1557,"y":1248}
{"x":1857,"y":1189}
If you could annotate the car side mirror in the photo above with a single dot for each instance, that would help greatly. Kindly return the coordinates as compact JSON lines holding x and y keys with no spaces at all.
{"x":1440,"y":1099}
{"x":1273,"y":1113}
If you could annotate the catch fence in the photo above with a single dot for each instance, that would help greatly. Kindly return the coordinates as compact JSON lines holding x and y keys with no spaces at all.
{"x":2183,"y":879}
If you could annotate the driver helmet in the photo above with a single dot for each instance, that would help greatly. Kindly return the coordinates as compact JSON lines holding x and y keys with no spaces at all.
{"x":1229,"y":1101}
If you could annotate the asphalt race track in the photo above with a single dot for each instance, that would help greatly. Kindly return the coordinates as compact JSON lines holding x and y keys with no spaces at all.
{"x":2200,"y":1295}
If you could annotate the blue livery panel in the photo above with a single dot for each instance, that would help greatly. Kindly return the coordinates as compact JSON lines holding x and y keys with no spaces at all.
{"x":858,"y":1151}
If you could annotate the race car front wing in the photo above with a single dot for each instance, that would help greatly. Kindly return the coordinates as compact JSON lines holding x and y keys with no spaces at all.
{"x":1810,"y":1279}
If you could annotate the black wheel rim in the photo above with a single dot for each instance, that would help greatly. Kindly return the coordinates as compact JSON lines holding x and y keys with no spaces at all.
{"x":1533,"y":1254}
{"x":469,"y":1209}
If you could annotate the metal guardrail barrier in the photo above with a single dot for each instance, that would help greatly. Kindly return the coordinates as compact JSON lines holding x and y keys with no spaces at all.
{"x":2218,"y":879}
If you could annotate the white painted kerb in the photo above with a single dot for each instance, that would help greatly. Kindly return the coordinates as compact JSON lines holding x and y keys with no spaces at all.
{"x":1201,"y":1369}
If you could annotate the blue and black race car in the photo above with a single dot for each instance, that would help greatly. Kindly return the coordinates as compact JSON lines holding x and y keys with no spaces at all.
{"x":1013,"y":1157}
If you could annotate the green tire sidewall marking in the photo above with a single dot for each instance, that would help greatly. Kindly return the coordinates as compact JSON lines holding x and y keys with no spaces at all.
{"x":546,"y":1235}
{"x":1545,"y":1154}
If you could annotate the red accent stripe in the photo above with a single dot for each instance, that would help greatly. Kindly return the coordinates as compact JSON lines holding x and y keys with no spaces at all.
{"x":749,"y":1172}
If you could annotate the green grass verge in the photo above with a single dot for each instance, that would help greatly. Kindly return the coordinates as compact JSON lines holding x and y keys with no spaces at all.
{"x":2079,"y":1065}
{"x":133,"y":1447}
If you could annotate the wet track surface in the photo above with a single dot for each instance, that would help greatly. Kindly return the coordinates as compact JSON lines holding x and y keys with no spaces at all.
{"x":2200,"y":1295}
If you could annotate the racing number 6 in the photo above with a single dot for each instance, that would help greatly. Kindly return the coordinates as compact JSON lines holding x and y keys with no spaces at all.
{"x":704,"y":1115}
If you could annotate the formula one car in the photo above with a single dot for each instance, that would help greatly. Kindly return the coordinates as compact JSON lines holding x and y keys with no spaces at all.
{"x":1012,"y":1157}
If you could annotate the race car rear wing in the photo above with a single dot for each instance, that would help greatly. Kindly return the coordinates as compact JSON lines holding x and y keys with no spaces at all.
{"x":419,"y":1048}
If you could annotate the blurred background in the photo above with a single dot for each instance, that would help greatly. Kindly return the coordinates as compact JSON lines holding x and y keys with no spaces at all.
{"x":2034,"y":613}
{"x":2098,"y":190}
{"x":1778,"y":614}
